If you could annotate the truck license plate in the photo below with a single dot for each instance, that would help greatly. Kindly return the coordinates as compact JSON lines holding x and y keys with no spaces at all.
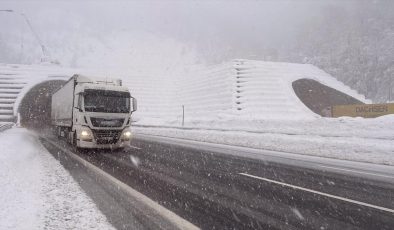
{"x":108,"y":123}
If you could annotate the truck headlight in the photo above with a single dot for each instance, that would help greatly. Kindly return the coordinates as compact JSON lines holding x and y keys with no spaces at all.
{"x":86,"y":134}
{"x":126,"y":135}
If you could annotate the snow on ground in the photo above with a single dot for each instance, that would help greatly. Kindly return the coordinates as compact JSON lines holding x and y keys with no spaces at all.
{"x":5,"y":125}
{"x":37,"y":192}
{"x":355,"y":139}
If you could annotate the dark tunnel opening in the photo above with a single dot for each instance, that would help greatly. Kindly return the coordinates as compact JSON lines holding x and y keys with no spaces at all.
{"x":317,"y":97}
{"x":35,"y":107}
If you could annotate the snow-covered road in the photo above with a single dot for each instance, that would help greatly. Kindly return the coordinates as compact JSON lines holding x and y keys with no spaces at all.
{"x":37,"y":192}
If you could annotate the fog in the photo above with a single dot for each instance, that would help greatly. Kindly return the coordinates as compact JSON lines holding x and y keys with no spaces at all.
{"x":216,"y":30}
{"x":351,"y":40}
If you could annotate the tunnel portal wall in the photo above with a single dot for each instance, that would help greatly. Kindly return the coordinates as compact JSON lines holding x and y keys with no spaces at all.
{"x":317,"y":97}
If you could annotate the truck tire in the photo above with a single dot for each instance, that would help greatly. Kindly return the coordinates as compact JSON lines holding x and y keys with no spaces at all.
{"x":74,"y":143}
{"x":69,"y":137}
{"x":59,"y":131}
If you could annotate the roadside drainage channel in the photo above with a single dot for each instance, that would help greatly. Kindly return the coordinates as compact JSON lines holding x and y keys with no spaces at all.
{"x":124,"y":207}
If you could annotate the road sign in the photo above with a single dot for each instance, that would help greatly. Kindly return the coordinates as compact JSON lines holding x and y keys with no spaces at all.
{"x":362,"y":110}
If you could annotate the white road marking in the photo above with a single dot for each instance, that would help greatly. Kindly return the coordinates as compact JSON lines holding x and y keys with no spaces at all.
{"x":134,"y":147}
{"x":356,"y":171}
{"x":320,"y":193}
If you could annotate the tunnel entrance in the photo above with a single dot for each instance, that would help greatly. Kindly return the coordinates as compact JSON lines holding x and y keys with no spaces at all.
{"x":317,"y":97}
{"x":35,"y":107}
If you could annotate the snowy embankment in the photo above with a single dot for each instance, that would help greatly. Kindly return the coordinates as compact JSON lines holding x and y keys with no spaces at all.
{"x":355,"y":139}
{"x":253,"y":104}
{"x":239,"y":89}
{"x":5,"y":125}
{"x":37,"y":192}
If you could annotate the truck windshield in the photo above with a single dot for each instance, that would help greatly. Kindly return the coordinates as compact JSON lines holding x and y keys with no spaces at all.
{"x":107,"y":101}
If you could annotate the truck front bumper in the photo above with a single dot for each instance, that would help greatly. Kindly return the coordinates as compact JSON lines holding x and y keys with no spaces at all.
{"x":103,"y":138}
{"x":94,"y":145}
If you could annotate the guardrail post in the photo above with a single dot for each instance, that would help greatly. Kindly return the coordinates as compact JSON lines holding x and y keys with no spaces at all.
{"x":390,"y":90}
{"x":18,"y":120}
{"x":183,"y":115}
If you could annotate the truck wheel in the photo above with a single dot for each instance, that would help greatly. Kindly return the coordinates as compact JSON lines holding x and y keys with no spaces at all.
{"x":59,"y":132}
{"x":69,"y":137}
{"x":75,"y":140}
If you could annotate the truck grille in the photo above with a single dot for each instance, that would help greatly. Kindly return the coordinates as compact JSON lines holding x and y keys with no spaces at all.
{"x":102,"y":122}
{"x":107,"y":136}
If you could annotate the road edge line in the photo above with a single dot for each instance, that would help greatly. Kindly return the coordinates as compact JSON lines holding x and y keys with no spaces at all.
{"x":167,"y":214}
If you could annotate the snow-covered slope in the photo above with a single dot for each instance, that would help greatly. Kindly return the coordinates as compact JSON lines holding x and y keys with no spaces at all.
{"x":247,"y":89}
{"x":207,"y":91}
{"x":265,"y":88}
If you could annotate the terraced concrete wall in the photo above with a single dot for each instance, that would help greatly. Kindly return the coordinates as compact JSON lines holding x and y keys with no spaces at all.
{"x":248,"y":89}
{"x":241,"y":89}
{"x":154,"y":95}
{"x":17,"y":80}
{"x":244,"y":89}
{"x":207,"y":92}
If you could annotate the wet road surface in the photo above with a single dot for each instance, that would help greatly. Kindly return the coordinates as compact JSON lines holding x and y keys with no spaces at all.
{"x":218,"y":191}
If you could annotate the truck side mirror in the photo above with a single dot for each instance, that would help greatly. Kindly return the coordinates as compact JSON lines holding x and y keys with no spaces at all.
{"x":134,"y":101}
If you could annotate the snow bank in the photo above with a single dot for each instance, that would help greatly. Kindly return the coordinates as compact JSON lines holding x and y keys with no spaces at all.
{"x":5,"y":125}
{"x":355,"y":139}
{"x":37,"y":192}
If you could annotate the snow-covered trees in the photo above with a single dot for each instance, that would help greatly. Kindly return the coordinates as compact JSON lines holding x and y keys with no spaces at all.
{"x":354,"y":43}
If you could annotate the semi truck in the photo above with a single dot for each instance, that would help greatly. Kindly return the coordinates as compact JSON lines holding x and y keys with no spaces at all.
{"x":93,"y":113}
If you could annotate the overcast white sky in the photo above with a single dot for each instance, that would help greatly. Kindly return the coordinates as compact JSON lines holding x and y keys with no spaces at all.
{"x":243,"y":27}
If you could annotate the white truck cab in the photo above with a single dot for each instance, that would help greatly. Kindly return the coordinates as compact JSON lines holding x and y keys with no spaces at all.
{"x":93,"y":113}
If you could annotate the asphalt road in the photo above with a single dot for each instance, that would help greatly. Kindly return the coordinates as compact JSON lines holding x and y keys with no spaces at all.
{"x":220,"y":191}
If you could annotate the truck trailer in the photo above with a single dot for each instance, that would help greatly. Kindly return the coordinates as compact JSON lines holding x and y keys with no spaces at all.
{"x":93,"y":113}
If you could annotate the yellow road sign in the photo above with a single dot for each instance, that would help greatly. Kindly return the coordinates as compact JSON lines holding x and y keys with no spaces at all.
{"x":362,"y":110}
